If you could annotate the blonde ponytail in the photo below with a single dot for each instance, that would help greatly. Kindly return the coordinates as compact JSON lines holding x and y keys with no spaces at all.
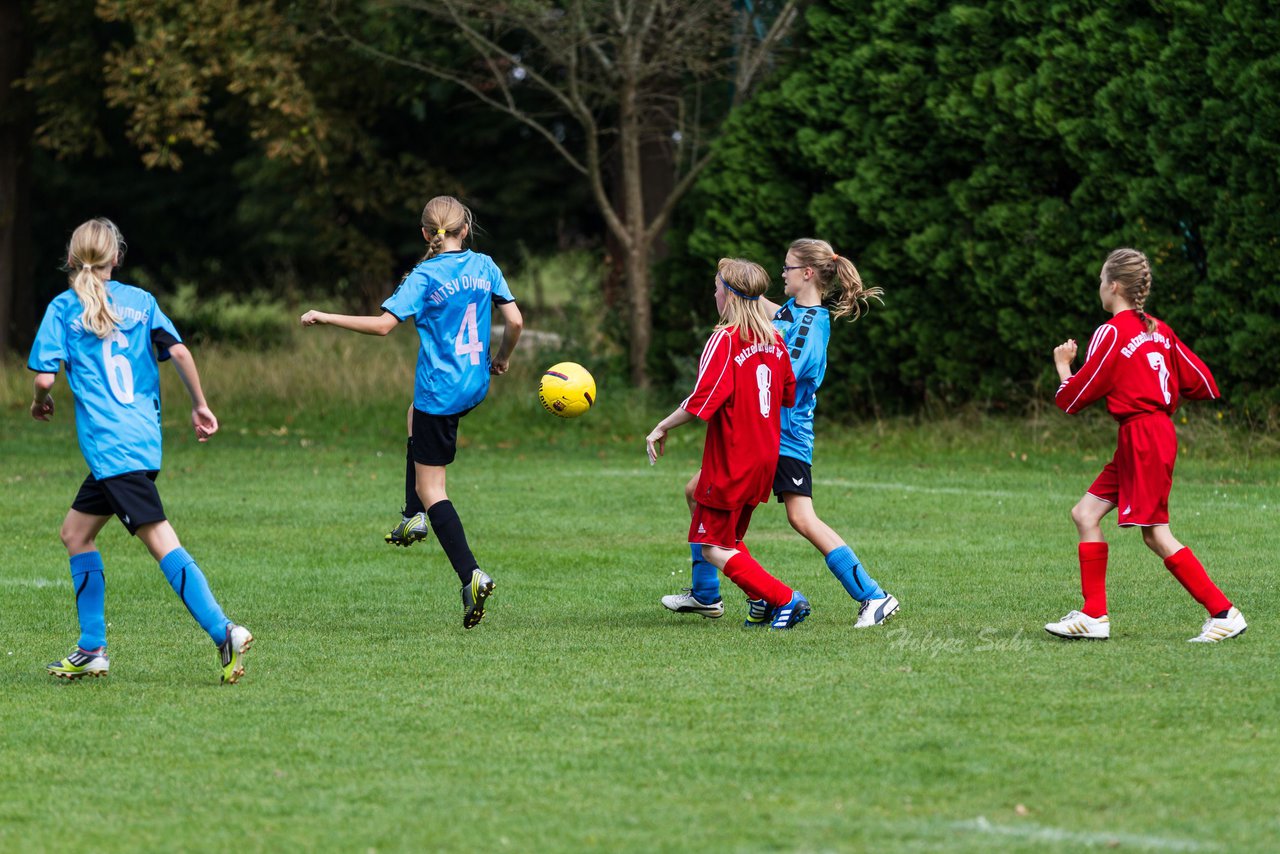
{"x":95,"y":248}
{"x":840,"y":280}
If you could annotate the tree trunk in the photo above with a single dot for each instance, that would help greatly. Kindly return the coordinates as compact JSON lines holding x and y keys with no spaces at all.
{"x":15,"y":175}
{"x":636,"y":258}
{"x":639,"y":285}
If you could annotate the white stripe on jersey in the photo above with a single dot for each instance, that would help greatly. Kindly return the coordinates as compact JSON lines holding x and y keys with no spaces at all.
{"x":1208,"y":385}
{"x":1095,"y":343}
{"x":712,"y":344}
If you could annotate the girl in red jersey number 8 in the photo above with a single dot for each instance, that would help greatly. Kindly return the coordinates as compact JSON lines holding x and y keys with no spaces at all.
{"x":744,"y":379}
{"x":1138,"y":364}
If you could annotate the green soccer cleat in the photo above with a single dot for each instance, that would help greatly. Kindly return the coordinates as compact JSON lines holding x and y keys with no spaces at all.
{"x":80,"y":664}
{"x":232,"y":652}
{"x":410,"y":530}
{"x":474,"y":594}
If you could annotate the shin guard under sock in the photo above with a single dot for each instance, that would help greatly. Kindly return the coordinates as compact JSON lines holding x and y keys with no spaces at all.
{"x":448,"y":530}
{"x":91,"y":589}
{"x":743,"y":570}
{"x":186,"y":579}
{"x":1190,"y":574}
{"x":412,"y":503}
{"x":1093,"y":578}
{"x":706,"y":580}
{"x":847,"y":569}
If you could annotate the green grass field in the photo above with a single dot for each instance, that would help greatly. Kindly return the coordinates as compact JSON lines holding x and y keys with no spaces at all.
{"x":582,"y":716}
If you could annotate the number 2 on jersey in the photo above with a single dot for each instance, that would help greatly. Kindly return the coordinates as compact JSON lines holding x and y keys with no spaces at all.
{"x":467,"y":342}
{"x":119,"y":371}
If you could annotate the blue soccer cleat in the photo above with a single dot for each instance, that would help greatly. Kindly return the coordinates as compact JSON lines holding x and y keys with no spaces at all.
{"x":792,"y":613}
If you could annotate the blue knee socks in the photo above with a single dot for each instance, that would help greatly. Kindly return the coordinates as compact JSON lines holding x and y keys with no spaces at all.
{"x":189,"y":583}
{"x":91,"y":588}
{"x":847,"y":569}
{"x":706,"y":580}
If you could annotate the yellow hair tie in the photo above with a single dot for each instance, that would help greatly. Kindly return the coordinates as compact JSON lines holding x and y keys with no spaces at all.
{"x":440,"y":231}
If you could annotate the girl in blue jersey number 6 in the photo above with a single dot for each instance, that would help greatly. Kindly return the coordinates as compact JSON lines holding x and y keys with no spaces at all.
{"x":108,"y":335}
{"x":449,"y":295}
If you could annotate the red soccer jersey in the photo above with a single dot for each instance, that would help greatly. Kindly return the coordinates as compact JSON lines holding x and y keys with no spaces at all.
{"x":740,"y":392}
{"x":1138,"y":372}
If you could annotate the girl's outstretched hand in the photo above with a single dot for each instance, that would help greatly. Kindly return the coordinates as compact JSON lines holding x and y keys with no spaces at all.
{"x":312,"y":317}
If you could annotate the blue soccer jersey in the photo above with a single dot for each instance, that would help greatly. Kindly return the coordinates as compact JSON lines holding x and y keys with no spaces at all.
{"x":116,"y":380}
{"x":451,"y":298}
{"x":806,"y":329}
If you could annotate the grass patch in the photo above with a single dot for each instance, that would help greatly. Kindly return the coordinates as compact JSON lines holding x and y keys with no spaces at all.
{"x":580,"y":715}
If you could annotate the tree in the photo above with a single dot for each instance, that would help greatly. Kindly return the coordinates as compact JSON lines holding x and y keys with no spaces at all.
{"x":625,"y":76}
{"x":15,"y":153}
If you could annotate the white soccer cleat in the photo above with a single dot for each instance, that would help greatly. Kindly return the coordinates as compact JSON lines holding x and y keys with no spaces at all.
{"x":1215,"y":629}
{"x":685,"y":602}
{"x":876,"y":611}
{"x":1078,"y":626}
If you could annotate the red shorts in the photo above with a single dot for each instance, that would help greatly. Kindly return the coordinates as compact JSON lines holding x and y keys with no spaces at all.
{"x":1140,"y":475}
{"x":712,"y":526}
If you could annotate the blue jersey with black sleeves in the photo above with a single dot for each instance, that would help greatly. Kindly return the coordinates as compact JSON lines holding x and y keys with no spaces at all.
{"x":115,"y":380}
{"x":451,"y":296}
{"x":805,"y":329}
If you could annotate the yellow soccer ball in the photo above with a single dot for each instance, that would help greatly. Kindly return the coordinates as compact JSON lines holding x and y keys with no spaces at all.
{"x":567,"y":389}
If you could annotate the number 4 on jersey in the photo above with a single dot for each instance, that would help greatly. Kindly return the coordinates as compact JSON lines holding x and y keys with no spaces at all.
{"x":467,"y":342}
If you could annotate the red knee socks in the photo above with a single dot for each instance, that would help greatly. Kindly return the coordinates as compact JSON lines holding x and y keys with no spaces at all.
{"x":743,"y":571}
{"x":1093,"y":578}
{"x":1190,"y":574}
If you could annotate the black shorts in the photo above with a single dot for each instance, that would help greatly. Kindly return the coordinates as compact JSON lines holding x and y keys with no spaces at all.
{"x":793,"y":476}
{"x":131,"y":496}
{"x":435,"y":437}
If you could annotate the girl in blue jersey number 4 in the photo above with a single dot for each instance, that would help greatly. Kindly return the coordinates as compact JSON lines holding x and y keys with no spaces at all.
{"x":108,"y":334}
{"x":811,"y":272}
{"x":449,"y":295}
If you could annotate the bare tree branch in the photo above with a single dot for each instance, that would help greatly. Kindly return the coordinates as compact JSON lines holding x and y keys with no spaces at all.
{"x":445,"y":73}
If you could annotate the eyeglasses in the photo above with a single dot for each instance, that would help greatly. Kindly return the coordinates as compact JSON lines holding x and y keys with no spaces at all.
{"x":797,"y":267}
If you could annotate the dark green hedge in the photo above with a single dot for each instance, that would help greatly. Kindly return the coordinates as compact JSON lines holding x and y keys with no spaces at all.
{"x":979,"y":160}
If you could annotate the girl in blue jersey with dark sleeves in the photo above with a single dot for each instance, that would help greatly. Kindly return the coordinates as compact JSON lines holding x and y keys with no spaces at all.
{"x":811,"y":272}
{"x":450,"y":295}
{"x":108,"y":335}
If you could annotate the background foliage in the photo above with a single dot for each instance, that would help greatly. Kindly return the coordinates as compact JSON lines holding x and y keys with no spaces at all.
{"x":978,"y":160}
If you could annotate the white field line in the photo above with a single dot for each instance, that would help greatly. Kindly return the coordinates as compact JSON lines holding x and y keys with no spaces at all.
{"x":1099,"y":840}
{"x":29,"y":582}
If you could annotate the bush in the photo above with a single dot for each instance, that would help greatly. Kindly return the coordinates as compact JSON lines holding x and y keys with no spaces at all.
{"x":256,"y":320}
{"x":979,"y":160}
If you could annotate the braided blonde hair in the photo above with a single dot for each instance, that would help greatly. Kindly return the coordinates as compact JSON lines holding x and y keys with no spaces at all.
{"x":749,"y":280}
{"x":1132,"y":271}
{"x":840,"y":280}
{"x":444,"y":216}
{"x":94,"y":249}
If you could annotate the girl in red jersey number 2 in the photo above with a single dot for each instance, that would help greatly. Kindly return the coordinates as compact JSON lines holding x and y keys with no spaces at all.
{"x":1138,"y":364}
{"x":744,"y":380}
